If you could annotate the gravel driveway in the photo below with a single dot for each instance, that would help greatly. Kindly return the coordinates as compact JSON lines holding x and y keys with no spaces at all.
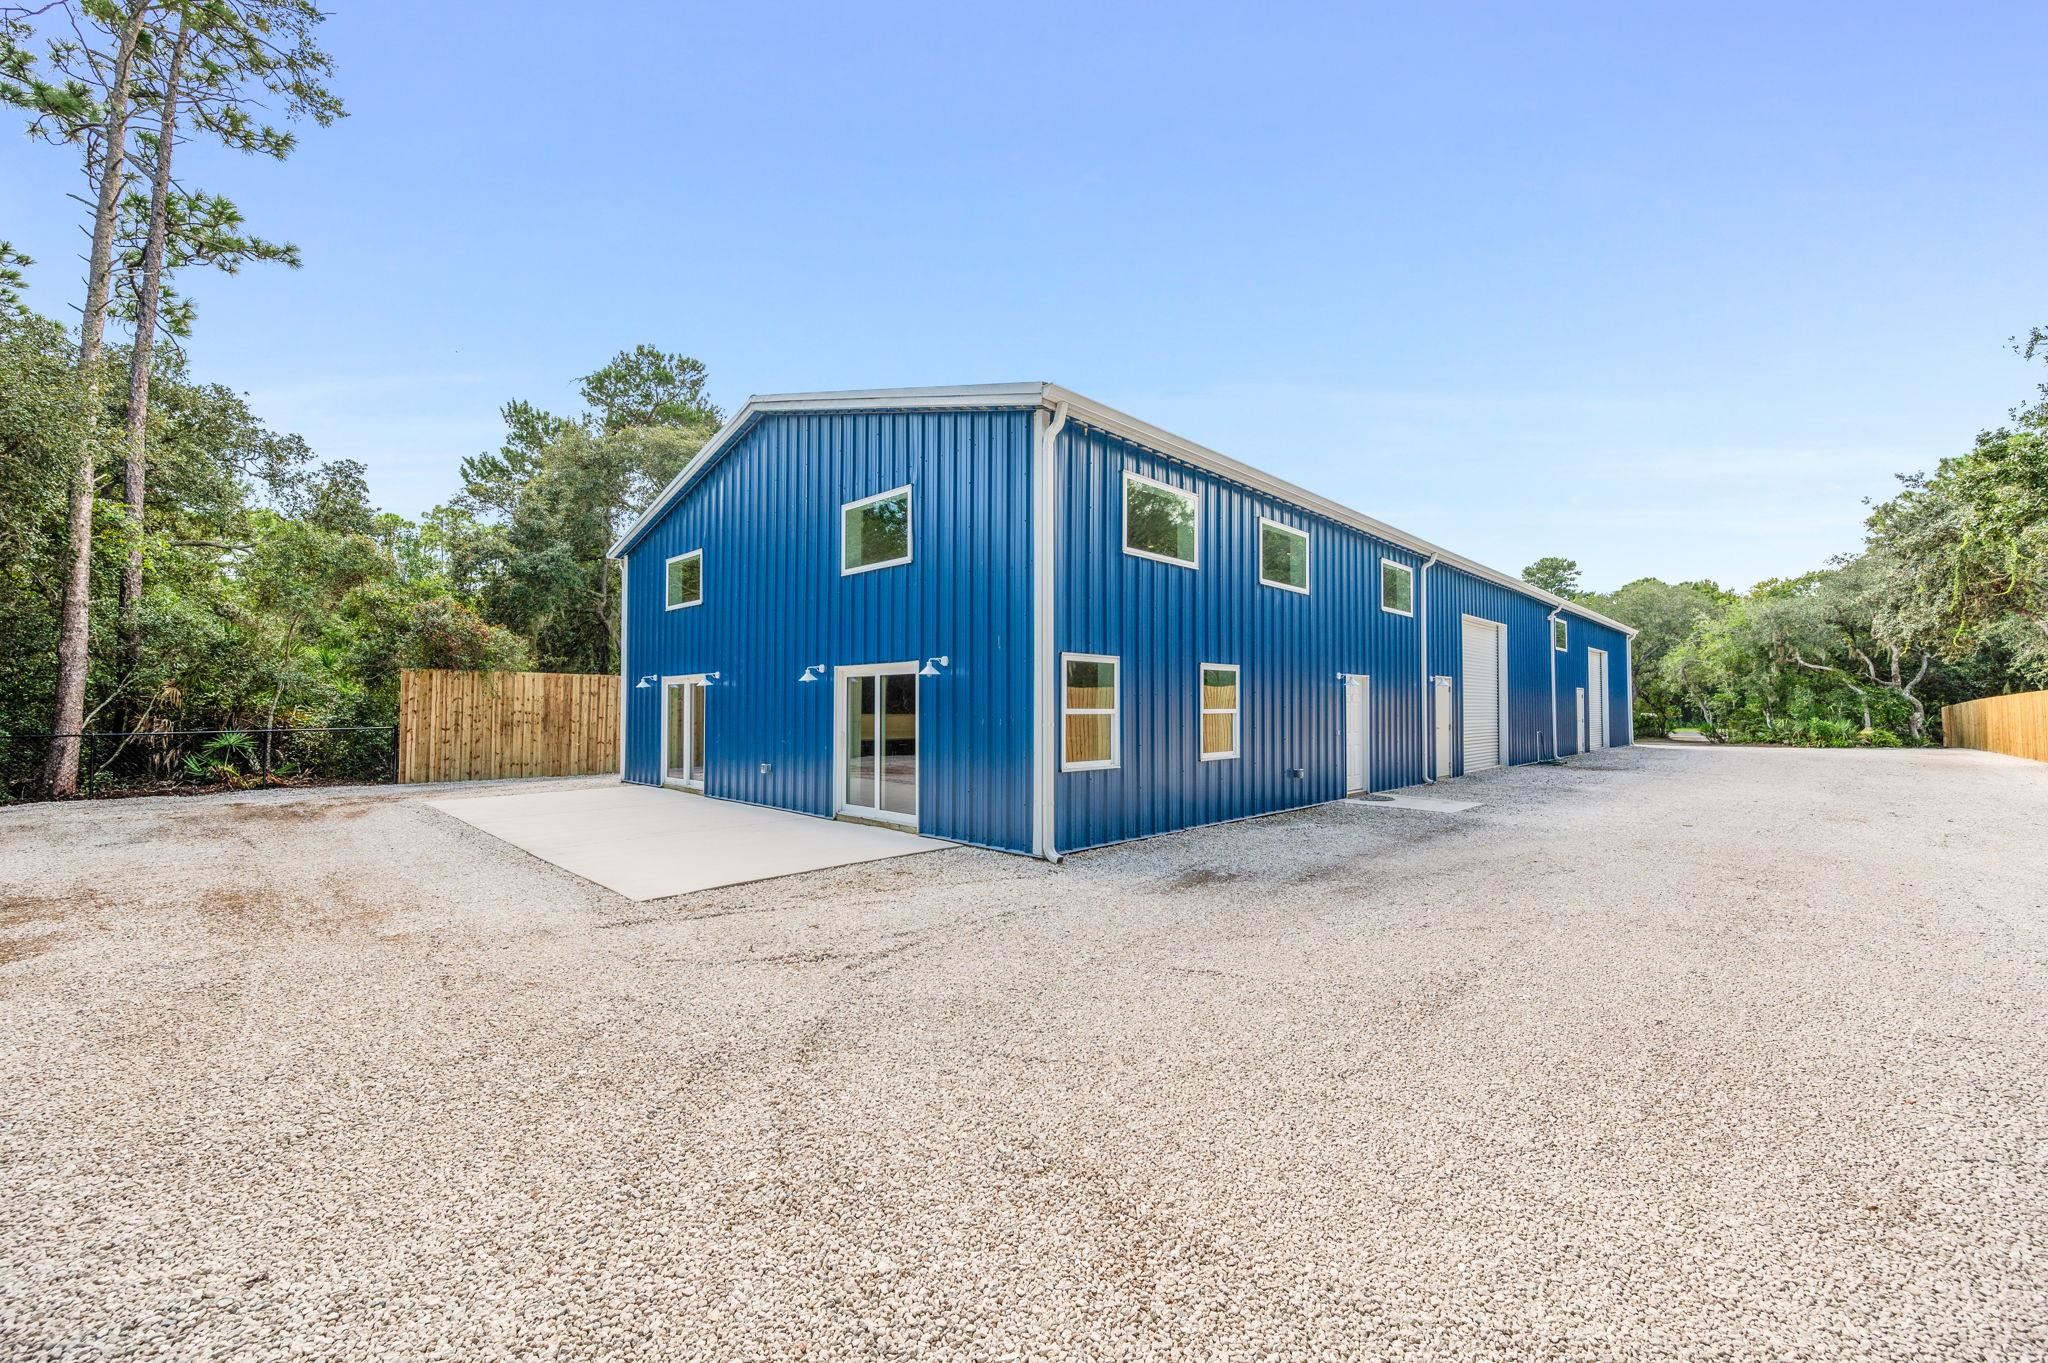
{"x":1668,"y":1053}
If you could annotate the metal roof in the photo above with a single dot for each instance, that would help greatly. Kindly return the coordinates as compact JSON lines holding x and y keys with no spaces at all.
{"x":1088,"y":412}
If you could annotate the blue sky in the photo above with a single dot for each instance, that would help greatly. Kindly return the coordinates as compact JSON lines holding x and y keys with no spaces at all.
{"x":1666,"y":289}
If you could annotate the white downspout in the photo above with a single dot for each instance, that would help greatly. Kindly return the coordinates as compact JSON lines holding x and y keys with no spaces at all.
{"x":1044,"y":549}
{"x":1428,"y":707}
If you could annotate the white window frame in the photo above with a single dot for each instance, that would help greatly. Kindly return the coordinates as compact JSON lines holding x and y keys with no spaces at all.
{"x":909,"y":529}
{"x":1308,"y":561}
{"x":1191,"y":498}
{"x":668,"y":563}
{"x":1115,"y":712}
{"x":1386,"y":563}
{"x":1236,"y":711}
{"x":1563,"y":625}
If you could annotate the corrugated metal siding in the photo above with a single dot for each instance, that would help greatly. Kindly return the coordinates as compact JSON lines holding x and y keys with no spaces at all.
{"x":767,"y":517}
{"x":1585,"y":634}
{"x":1165,"y":621}
{"x":1454,"y":595}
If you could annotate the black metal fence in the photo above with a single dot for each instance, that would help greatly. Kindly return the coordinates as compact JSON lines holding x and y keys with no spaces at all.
{"x":127,"y":762}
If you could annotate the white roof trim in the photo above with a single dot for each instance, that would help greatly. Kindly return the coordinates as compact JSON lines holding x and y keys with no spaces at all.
{"x":1089,"y":413}
{"x":992,"y":395}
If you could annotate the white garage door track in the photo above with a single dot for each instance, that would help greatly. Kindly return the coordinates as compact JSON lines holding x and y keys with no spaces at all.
{"x":650,"y":843}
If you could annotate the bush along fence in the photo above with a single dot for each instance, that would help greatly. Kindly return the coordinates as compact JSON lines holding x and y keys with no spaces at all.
{"x":2016,"y":725}
{"x":480,"y":726}
{"x":170,"y":761}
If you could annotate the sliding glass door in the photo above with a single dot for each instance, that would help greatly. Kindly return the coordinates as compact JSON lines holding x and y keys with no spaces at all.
{"x":682,"y":732}
{"x":878,"y":742}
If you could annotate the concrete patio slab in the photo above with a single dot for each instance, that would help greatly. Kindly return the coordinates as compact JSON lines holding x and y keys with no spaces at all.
{"x":649,"y":843}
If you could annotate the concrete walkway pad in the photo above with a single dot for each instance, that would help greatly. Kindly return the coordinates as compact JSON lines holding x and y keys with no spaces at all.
{"x":649,"y":843}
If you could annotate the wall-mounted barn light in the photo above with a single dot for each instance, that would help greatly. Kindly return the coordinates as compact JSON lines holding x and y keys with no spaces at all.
{"x":811,"y":673}
{"x":650,"y":679}
{"x":932,"y":665}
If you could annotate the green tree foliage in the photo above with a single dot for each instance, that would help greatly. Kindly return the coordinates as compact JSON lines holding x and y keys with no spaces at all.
{"x":1558,"y":576}
{"x":1665,"y":614}
{"x":278,"y":593}
{"x":1966,"y":549}
{"x":527,"y":536}
{"x":1947,"y":600}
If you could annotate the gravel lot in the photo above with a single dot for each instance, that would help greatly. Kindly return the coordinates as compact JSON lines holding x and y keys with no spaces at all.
{"x":331,"y":1075}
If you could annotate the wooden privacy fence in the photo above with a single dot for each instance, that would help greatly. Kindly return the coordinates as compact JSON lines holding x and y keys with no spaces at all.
{"x":476,"y":726}
{"x":2009,"y":724}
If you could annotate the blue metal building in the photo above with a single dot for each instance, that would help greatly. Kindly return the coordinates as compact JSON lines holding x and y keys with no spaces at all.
{"x":1010,"y":616}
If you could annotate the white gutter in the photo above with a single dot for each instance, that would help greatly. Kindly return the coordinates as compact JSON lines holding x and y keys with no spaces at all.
{"x":1428,"y":705}
{"x":1044,"y":603}
{"x":1089,"y":413}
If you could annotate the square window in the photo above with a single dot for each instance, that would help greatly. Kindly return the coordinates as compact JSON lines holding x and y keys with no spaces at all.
{"x":875,"y":532}
{"x":1397,"y":587}
{"x":1089,"y":696}
{"x":686,"y":579}
{"x":1219,"y":711}
{"x":1159,"y":521}
{"x":1283,"y":556}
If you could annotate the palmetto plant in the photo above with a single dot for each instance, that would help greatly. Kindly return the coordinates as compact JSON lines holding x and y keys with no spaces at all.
{"x":224,"y":757}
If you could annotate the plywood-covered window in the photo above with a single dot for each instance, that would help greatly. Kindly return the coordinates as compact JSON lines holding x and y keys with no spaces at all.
{"x":1283,"y":556}
{"x":1219,"y":711}
{"x":1091,"y":689}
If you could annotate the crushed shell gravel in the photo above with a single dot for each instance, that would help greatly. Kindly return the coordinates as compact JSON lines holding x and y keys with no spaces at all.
{"x":1662,"y":1054}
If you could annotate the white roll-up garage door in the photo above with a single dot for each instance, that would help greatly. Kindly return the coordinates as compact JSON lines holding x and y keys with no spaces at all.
{"x":1482,"y":694}
{"x":1596,"y":687}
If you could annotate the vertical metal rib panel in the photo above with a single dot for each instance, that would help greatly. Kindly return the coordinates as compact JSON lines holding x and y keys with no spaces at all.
{"x":1585,"y":634}
{"x":1165,"y":621}
{"x":1452,"y":596}
{"x":767,"y":518}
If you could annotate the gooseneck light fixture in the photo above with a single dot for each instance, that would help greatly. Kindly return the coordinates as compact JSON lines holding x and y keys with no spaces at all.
{"x":811,"y":673}
{"x":932,"y":665}
{"x":650,"y":679}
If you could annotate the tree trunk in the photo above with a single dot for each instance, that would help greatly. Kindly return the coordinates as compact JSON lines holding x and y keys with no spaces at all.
{"x":134,"y":475}
{"x":67,"y":715}
{"x":1919,"y":722}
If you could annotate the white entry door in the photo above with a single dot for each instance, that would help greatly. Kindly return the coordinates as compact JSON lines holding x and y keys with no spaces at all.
{"x":1357,"y":735}
{"x":1485,"y":662}
{"x":876,"y":770}
{"x":1441,"y":708}
{"x":682,"y":732}
{"x":1596,"y":697}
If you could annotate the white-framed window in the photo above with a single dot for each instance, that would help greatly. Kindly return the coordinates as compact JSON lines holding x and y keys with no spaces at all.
{"x":1397,"y":587}
{"x":1283,"y":556}
{"x":874,"y":532}
{"x":1160,"y":521}
{"x":1219,"y":711}
{"x":1091,"y":696}
{"x":1560,"y":635}
{"x":685,"y":573}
